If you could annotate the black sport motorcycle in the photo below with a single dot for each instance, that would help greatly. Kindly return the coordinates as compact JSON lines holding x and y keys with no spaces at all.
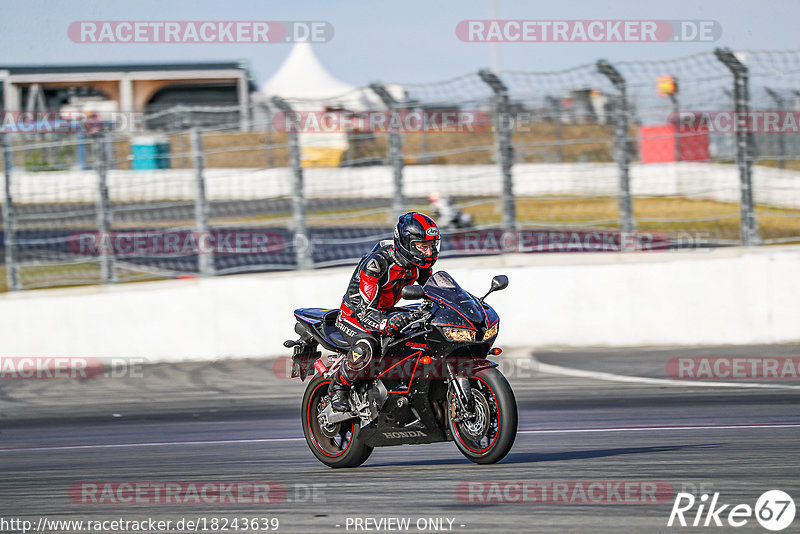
{"x":433,"y":382}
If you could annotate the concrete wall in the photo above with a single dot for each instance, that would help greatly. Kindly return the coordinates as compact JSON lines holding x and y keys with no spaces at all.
{"x":731,"y":296}
{"x":693,"y":180}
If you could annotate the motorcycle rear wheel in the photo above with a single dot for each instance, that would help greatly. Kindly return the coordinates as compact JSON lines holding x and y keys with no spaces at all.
{"x":337,"y":446}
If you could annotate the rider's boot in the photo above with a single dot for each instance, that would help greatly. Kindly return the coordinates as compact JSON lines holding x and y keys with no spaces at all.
{"x":338,"y":389}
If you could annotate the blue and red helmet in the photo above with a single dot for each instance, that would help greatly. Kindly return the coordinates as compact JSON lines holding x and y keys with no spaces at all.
{"x":416,"y":239}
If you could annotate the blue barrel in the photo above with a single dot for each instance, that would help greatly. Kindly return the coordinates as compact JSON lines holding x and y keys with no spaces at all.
{"x":150,"y":152}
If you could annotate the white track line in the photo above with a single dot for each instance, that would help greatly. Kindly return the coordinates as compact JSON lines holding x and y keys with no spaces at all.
{"x":658,"y":428}
{"x":152,"y":444}
{"x":610,"y":377}
{"x":532,"y":431}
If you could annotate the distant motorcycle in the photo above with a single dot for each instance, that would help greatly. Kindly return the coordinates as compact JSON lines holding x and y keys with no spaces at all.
{"x":448,"y":214}
{"x":433,"y":382}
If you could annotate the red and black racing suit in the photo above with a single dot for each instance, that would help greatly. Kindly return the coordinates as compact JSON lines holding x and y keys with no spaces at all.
{"x":373,"y":291}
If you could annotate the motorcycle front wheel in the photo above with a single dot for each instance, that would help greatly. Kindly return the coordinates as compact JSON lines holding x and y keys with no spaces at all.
{"x":486,"y":437}
{"x":336,"y":445}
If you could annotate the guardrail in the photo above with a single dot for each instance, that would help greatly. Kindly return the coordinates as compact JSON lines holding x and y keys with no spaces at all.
{"x":724,"y":296}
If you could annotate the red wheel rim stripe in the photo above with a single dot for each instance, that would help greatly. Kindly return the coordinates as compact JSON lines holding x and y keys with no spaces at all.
{"x":455,"y":427}
{"x":311,"y":430}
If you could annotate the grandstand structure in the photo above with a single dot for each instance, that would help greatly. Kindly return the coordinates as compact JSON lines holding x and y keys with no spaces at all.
{"x":144,"y":88}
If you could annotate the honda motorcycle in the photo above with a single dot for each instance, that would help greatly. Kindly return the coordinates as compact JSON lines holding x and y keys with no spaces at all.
{"x":432,"y":382}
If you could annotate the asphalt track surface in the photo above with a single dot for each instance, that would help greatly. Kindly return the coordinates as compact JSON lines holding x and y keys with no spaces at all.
{"x":236,"y":421}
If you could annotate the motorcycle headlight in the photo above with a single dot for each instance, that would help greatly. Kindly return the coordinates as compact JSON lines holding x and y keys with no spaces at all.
{"x":491,"y":332}
{"x":459,"y":334}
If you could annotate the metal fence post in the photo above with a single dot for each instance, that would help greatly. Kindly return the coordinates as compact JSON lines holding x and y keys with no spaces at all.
{"x":676,"y":113}
{"x":744,"y":145}
{"x":9,"y":219}
{"x":622,"y":152}
{"x":205,"y":261}
{"x":268,"y":111}
{"x":395,"y":152}
{"x":302,"y":242}
{"x":504,"y":146}
{"x":107,"y":260}
{"x":554,"y":105}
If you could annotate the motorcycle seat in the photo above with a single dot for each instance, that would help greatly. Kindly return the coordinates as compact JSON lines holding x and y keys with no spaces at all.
{"x":335,"y":337}
{"x":323,"y":325}
{"x":315,"y":315}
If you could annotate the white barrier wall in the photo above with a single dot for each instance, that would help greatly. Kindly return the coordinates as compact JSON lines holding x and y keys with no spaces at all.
{"x":711,"y":181}
{"x":731,"y":296}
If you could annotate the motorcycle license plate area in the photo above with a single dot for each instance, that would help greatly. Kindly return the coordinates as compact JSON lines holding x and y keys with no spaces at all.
{"x":303,"y":362}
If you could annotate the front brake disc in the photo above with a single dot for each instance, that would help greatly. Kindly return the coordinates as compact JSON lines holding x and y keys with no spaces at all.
{"x":477,"y":426}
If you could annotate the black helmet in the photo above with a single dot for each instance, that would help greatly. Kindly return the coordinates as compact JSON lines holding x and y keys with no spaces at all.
{"x":411,"y":229}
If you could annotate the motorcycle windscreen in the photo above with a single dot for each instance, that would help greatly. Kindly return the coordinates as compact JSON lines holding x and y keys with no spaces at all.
{"x":442,"y":286}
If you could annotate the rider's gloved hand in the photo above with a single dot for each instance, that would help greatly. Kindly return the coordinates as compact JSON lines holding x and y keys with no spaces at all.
{"x":391,"y":325}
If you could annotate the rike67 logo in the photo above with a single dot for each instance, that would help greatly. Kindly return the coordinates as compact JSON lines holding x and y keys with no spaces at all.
{"x":774,"y":510}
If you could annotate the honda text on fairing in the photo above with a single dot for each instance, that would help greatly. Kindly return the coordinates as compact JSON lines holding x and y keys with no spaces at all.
{"x":433,"y":382}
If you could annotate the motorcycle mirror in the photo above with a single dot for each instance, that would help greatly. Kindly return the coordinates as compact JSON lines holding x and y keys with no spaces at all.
{"x":498,"y":282}
{"x":414,"y":292}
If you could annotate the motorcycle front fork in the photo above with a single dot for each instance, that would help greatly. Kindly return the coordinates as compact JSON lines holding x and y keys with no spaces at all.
{"x":462,"y":391}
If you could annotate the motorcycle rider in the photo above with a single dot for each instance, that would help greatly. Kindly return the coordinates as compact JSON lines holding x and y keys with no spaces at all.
{"x":367,"y":311}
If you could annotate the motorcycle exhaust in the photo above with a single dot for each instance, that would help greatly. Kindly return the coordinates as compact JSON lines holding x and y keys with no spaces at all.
{"x":320,"y":367}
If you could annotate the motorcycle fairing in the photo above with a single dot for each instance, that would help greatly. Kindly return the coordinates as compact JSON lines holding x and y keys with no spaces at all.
{"x":413,"y":423}
{"x":456,"y":308}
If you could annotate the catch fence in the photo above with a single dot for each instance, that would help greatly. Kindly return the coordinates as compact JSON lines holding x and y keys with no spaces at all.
{"x":693,"y":152}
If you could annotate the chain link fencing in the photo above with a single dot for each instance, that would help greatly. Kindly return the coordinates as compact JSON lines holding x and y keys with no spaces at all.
{"x":509,"y":162}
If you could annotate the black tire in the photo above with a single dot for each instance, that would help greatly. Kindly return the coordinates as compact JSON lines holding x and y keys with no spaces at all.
{"x":336,"y":447}
{"x":498,"y":438}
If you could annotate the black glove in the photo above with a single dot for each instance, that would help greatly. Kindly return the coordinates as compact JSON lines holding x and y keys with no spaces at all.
{"x":391,"y":325}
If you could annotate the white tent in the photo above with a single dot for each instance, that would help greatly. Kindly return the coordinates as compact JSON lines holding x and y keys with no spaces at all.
{"x":303,"y":80}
